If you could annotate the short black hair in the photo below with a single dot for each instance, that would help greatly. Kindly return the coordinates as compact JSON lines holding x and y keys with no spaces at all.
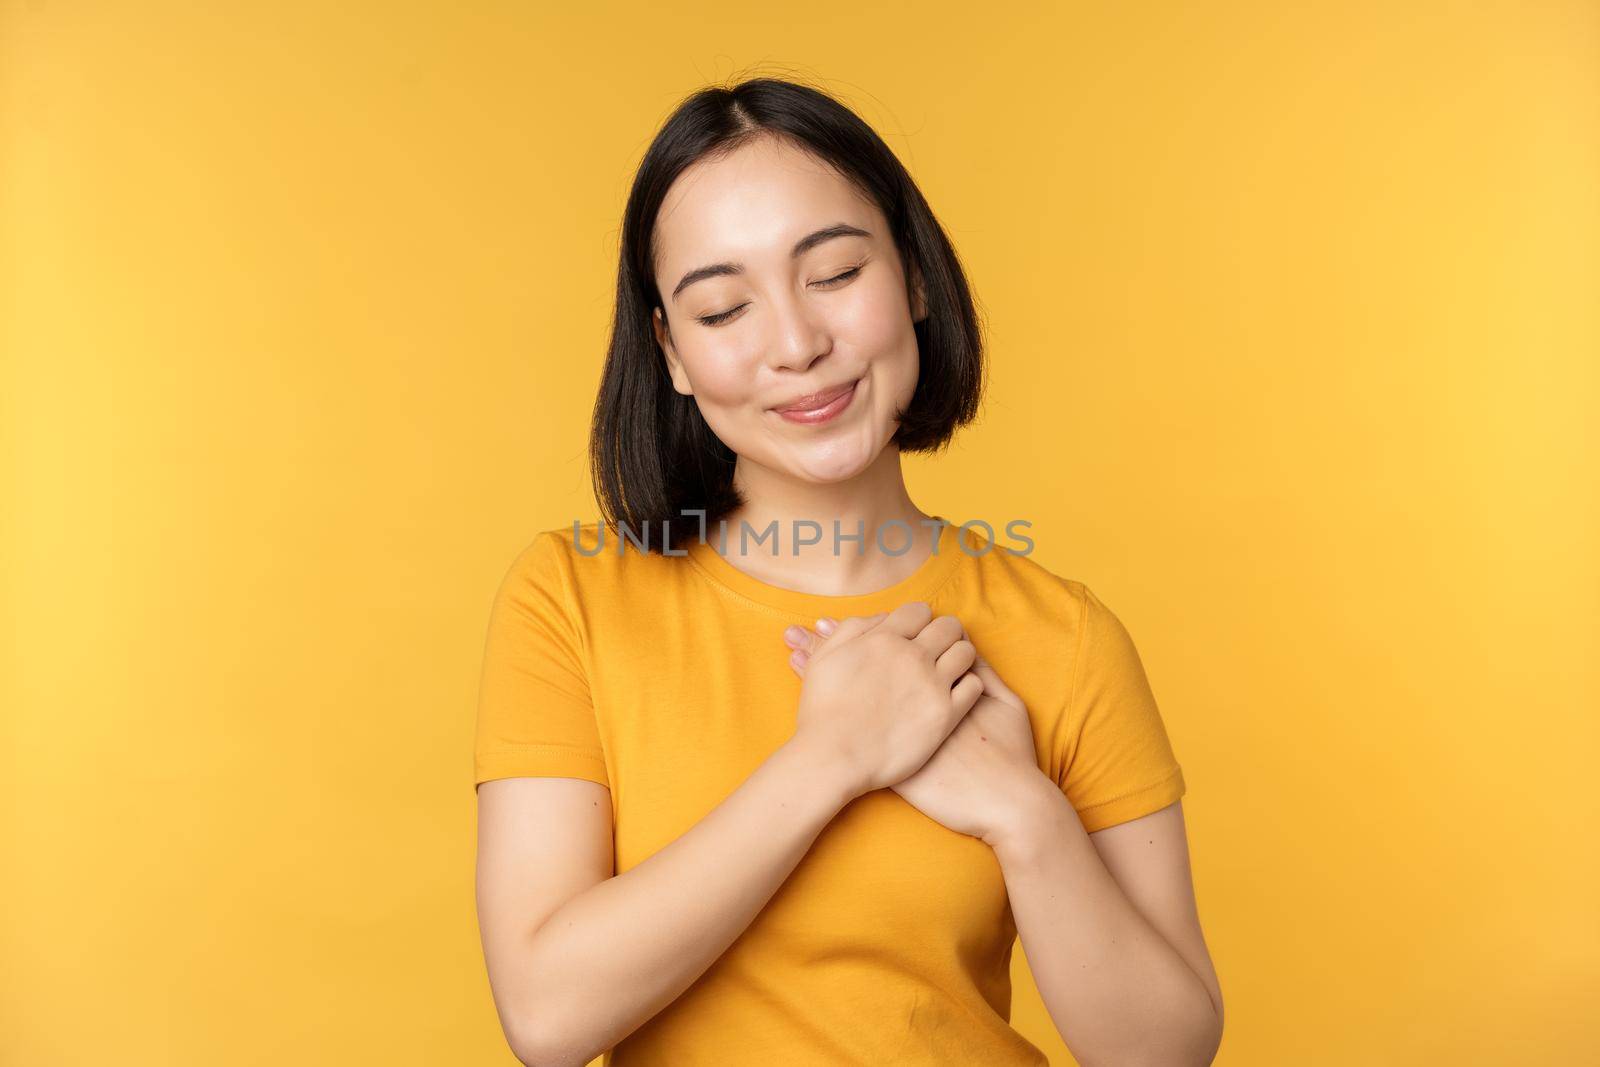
{"x":652,"y":455}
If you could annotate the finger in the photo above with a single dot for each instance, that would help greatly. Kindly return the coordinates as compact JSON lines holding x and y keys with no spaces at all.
{"x":798,"y":661}
{"x":992,"y":682}
{"x":798,"y":637}
{"x":966,"y":693}
{"x":939,"y":635}
{"x":909,"y":618}
{"x":986,"y":674}
{"x":826,"y":625}
{"x":856,"y":625}
{"x":954,"y":662}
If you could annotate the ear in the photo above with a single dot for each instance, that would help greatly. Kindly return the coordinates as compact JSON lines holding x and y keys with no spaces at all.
{"x":919,"y":294}
{"x":680,"y":380}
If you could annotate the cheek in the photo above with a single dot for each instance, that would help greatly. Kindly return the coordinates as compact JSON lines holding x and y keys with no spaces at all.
{"x":880,"y":329}
{"x":720,"y":378}
{"x":877,"y":320}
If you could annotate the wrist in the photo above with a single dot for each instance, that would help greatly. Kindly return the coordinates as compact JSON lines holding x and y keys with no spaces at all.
{"x":1036,"y":809}
{"x":820,"y":772}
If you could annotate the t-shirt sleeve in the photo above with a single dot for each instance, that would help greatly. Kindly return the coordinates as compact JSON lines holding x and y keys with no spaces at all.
{"x":535,"y":715}
{"x":1119,"y":763}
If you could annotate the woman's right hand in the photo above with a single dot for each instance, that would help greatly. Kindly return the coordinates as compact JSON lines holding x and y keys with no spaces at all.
{"x":883,"y":692}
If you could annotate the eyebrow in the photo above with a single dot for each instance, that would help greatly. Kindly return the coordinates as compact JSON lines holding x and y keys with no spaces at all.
{"x":801,"y":247}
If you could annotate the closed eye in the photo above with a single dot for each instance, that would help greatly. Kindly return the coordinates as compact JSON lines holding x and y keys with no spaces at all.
{"x":723,"y":316}
{"x":846,"y":276}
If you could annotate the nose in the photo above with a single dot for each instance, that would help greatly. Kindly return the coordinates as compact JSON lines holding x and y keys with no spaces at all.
{"x":800,"y":337}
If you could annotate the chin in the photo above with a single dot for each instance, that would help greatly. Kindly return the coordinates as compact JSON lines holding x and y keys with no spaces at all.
{"x":826,"y":470}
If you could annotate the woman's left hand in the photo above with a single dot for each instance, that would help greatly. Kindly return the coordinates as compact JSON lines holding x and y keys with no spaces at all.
{"x":976,"y":781}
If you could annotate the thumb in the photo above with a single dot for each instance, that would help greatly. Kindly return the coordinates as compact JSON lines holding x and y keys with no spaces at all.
{"x":857,"y":624}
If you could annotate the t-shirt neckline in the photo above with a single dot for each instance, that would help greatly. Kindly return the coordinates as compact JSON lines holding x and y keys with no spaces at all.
{"x":921,"y":584}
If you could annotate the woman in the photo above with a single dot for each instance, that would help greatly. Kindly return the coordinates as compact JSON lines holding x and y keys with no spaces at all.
{"x":686,"y":857}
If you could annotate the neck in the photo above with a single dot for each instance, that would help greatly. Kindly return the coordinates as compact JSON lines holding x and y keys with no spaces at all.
{"x":863,"y":504}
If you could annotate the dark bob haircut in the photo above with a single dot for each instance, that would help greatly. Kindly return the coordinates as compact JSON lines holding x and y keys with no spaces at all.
{"x":652,"y":455}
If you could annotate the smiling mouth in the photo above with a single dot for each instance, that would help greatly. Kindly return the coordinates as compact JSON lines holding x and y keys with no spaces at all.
{"x":816,"y":401}
{"x":823,"y":407}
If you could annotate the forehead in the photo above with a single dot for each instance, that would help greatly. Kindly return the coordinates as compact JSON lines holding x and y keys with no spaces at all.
{"x":755,"y":201}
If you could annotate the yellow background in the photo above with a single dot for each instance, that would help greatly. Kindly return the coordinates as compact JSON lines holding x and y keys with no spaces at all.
{"x":1293,"y":319}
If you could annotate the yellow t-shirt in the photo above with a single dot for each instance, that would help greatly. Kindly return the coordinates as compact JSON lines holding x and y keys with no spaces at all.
{"x":667,"y":679}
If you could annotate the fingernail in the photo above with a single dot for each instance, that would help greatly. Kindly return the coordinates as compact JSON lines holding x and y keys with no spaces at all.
{"x":825,"y":626}
{"x":793,"y":635}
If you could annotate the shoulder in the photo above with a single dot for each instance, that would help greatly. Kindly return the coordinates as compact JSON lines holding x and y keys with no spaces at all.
{"x":1010,"y":567}
{"x":561,"y":546}
{"x":590,"y":557}
{"x":1010,"y":585}
{"x":544,"y":557}
{"x":1006,"y":591}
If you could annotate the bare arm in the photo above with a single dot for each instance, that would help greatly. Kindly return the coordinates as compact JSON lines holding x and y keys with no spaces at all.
{"x":602,"y":954}
{"x":1109,"y":924}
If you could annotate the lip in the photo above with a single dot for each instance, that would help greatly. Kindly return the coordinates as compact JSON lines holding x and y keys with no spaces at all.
{"x":820,"y":407}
